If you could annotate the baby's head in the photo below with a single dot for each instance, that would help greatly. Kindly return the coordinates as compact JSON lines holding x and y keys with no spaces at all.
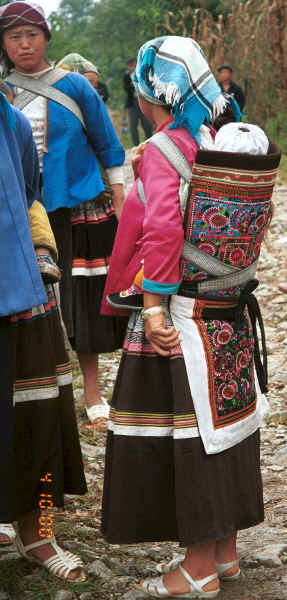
{"x":241,"y":137}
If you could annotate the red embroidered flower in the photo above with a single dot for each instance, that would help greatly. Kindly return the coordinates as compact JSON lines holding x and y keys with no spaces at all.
{"x":237,"y":256}
{"x":208,"y":248}
{"x":224,"y":336}
{"x":215,"y":219}
{"x":227,"y":391}
{"x":242,"y":359}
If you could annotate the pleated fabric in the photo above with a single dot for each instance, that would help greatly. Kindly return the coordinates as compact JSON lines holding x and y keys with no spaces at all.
{"x":159,"y":483}
{"x":85,"y":237}
{"x":45,"y":436}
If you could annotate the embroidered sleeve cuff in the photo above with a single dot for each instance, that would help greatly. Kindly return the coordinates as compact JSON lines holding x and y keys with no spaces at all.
{"x":156,"y":287}
{"x":115,"y":175}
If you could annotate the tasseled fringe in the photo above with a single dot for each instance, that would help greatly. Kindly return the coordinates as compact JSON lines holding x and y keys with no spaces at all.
{"x":170,"y":92}
{"x":218,"y":107}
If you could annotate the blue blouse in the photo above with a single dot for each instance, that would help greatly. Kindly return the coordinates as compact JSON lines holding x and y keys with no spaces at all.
{"x":71,"y":173}
{"x":21,"y":285}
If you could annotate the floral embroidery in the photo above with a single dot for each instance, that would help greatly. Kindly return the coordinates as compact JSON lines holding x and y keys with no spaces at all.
{"x":229,"y":351}
{"x":226,"y":221}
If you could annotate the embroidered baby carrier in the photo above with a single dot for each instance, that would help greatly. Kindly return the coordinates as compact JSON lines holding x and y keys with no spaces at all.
{"x":226,"y":210}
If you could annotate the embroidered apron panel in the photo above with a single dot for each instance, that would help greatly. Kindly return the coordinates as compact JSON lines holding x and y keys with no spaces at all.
{"x":229,"y":349}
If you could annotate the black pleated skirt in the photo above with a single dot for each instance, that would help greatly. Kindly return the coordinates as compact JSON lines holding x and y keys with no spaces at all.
{"x":85,"y":237}
{"x":159,"y":483}
{"x":42,"y":449}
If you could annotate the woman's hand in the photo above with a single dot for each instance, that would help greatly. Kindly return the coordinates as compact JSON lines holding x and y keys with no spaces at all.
{"x":136,"y":158}
{"x":118,"y":198}
{"x":161,"y":338}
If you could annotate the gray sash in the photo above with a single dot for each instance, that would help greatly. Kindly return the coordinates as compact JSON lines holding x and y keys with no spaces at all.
{"x":44,"y":87}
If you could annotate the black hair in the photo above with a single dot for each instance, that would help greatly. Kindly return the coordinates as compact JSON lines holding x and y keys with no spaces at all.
{"x":228,"y":67}
{"x":131,"y":60}
{"x":226,"y":117}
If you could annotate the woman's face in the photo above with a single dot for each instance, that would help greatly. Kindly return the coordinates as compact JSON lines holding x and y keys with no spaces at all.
{"x":92,"y":77}
{"x":26,"y":48}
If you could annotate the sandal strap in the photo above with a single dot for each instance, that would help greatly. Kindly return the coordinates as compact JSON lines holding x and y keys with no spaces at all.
{"x":155,"y":587}
{"x":166,"y":567}
{"x":222,"y":567}
{"x":43,"y":542}
{"x":6,"y":527}
{"x":63,"y":562}
{"x":200,"y":583}
{"x":98,"y":411}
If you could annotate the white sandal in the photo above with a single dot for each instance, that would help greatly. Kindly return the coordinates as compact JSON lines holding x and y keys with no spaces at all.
{"x":8,"y":530}
{"x":221,"y":568}
{"x":60,"y":565}
{"x":166,"y":567}
{"x":173,"y":564}
{"x":155,"y":587}
{"x":98,"y":411}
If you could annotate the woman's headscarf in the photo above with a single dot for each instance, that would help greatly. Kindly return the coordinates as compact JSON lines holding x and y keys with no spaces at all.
{"x":173,"y":71}
{"x":23,"y":13}
{"x":77,"y":63}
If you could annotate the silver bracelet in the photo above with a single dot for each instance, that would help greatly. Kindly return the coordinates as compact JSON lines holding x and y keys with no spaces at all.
{"x":151,"y":312}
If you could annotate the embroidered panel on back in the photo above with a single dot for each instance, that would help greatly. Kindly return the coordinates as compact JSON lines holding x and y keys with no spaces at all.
{"x":227,"y":212}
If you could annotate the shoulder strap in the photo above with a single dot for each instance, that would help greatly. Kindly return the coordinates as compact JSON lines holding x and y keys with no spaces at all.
{"x":172,"y":153}
{"x":44,"y":87}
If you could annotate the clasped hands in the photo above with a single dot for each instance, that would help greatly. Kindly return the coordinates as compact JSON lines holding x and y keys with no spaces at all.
{"x":161,"y":338}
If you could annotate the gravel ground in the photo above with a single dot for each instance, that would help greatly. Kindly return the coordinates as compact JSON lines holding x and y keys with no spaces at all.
{"x":113,"y":571}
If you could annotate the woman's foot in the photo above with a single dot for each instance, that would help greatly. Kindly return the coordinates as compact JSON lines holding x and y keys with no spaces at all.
{"x":176,"y":583}
{"x":225,"y":553}
{"x":29,"y":534}
{"x":97,"y":409}
{"x":97,"y":412}
{"x":199,"y":565}
{"x":180,"y":582}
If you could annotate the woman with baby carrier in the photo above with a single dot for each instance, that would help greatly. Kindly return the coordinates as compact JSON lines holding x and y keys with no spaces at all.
{"x":74,"y":134}
{"x":183,"y":460}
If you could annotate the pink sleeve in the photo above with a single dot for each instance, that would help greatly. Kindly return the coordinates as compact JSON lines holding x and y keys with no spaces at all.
{"x":162,"y":227}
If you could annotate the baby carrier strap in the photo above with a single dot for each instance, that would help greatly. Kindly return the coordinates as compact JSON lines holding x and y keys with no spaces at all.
{"x":44,"y":87}
{"x":224,"y":276}
{"x":172,"y":153}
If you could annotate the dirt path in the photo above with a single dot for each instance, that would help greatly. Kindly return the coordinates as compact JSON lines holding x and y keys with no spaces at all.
{"x":113,"y":570}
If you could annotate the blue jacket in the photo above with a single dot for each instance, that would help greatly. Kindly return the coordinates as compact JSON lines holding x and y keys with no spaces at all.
{"x":71,"y":173}
{"x":21,"y":285}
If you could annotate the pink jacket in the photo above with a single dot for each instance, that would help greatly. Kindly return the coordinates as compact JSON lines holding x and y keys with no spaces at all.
{"x":153,"y":233}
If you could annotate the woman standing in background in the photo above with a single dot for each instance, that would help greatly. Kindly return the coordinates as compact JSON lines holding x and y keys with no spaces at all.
{"x":83,"y":211}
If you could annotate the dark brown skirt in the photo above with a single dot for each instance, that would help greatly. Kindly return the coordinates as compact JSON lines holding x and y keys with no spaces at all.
{"x":160,"y":488}
{"x":44,"y":436}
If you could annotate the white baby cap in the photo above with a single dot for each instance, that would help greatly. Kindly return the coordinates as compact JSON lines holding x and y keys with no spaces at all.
{"x":241,"y":137}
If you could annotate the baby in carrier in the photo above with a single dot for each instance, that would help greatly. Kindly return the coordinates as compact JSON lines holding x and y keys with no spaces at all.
{"x":232,"y":137}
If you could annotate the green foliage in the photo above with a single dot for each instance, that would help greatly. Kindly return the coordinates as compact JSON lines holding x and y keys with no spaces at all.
{"x":276,"y":128}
